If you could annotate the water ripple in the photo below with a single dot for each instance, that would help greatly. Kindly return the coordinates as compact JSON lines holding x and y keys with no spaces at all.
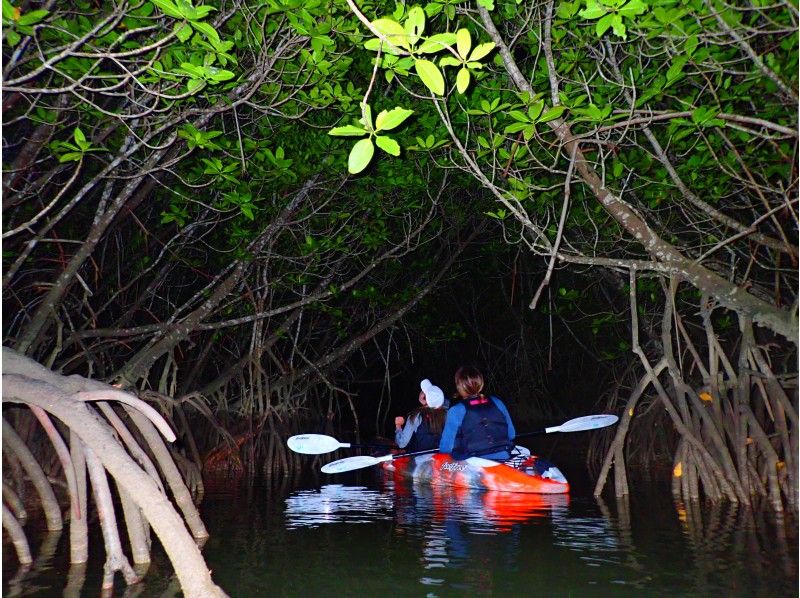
{"x":336,"y":503}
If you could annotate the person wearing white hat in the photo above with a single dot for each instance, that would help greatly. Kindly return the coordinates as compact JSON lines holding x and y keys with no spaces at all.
{"x":422,"y":429}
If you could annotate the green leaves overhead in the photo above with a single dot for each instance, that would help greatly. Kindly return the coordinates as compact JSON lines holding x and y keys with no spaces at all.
{"x":526,"y":121}
{"x":73,"y":151}
{"x":397,"y":39}
{"x":466,"y":60}
{"x":362,"y":152}
{"x":612,"y":14}
{"x":17,"y":24}
{"x":183,"y":9}
{"x":201,"y":75}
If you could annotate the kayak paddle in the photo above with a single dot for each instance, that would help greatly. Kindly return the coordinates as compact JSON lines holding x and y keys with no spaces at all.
{"x":318,"y":444}
{"x":579,"y":424}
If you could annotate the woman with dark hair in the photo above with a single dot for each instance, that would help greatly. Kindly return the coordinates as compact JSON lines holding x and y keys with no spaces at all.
{"x":423,"y":428}
{"x":479,"y":425}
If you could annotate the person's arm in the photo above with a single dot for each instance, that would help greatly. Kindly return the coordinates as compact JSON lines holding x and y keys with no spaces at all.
{"x":403,"y":436}
{"x":512,"y":433}
{"x":455,"y":415}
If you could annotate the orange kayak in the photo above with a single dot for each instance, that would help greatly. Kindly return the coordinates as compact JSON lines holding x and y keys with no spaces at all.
{"x":527,"y":474}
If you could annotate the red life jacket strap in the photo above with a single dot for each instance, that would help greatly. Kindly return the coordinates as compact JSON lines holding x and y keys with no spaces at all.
{"x":477,"y":400}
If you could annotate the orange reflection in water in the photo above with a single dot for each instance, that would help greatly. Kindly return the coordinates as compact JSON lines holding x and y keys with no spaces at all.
{"x":496,"y":510}
{"x":508,"y":508}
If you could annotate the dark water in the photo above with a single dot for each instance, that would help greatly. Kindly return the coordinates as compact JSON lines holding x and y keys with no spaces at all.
{"x":363,"y":535}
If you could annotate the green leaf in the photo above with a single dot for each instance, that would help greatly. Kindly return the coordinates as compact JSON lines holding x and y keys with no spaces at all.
{"x":182,"y":31}
{"x":567,"y":10}
{"x":415,"y":24}
{"x":430,"y":75}
{"x":366,"y":116}
{"x":218,"y":75}
{"x":388,"y":120}
{"x":487,"y":4}
{"x":194,"y":71}
{"x":387,"y":144}
{"x":593,"y":10}
{"x":168,"y":8}
{"x":247,"y":210}
{"x":691,"y":44}
{"x":202,"y":11}
{"x":70,"y":157}
{"x":528,"y":132}
{"x":482,"y":50}
{"x":676,"y":69}
{"x":515,"y":127}
{"x":32,"y":17}
{"x":347,"y":131}
{"x":463,"y":42}
{"x":552,"y":114}
{"x":393,"y":31}
{"x":603,"y":25}
{"x":462,"y":80}
{"x":449,"y":61}
{"x":193,"y":85}
{"x":80,"y":138}
{"x":619,"y":26}
{"x":360,"y":156}
{"x":12,"y":37}
{"x":631,"y":9}
{"x":208,"y":31}
{"x":436,"y":43}
{"x":8,"y":11}
{"x":535,"y":110}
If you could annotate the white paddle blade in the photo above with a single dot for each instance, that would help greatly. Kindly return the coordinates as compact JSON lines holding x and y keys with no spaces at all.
{"x":587,"y":422}
{"x":313,"y":444}
{"x":350,"y":464}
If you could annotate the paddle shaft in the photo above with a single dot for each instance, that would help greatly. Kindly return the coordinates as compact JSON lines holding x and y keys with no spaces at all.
{"x":485,"y":451}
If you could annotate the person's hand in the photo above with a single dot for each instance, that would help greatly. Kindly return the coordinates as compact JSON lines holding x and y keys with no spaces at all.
{"x":399,"y":421}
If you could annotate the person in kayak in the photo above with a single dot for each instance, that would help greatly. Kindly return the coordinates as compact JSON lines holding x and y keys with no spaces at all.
{"x":423,"y":427}
{"x":479,"y":425}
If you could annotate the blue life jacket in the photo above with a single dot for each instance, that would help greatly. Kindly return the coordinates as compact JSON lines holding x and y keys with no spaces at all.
{"x":423,"y":439}
{"x":484,"y":429}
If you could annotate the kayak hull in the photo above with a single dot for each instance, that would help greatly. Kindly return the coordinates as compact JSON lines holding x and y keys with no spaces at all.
{"x":531,"y":474}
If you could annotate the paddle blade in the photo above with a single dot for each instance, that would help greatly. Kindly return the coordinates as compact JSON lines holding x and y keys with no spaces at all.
{"x":313,"y":444}
{"x":587,"y":422}
{"x":350,"y":464}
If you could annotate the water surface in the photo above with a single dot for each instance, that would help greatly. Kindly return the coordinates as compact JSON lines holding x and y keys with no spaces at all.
{"x":364,"y":535}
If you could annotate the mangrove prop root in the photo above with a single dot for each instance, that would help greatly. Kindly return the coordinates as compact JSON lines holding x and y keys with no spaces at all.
{"x":14,"y":443}
{"x":14,"y":503}
{"x":115,"y":559}
{"x":170,"y":471}
{"x":78,"y":526}
{"x":20,"y":541}
{"x":26,"y":382}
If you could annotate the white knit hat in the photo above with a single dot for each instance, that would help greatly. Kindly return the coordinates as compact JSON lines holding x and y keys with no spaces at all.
{"x":433,"y":394}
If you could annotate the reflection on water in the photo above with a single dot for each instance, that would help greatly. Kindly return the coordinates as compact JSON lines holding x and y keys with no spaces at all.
{"x":369,"y":536}
{"x":335,"y":503}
